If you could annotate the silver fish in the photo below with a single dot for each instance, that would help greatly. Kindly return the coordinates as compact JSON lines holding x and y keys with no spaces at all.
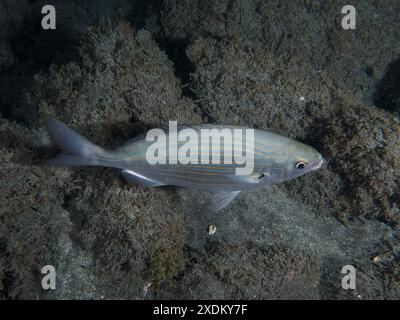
{"x":276,"y":159}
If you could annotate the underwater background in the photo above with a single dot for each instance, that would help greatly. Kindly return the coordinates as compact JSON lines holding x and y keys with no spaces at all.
{"x":113,"y":69}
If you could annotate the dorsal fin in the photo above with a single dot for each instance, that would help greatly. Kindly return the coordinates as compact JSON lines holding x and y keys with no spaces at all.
{"x":142,"y":136}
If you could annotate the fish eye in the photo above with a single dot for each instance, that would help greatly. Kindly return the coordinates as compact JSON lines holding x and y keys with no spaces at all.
{"x":300,"y":165}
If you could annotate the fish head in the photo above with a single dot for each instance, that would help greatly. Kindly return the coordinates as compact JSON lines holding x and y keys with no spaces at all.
{"x":293,"y":159}
{"x":303,"y":159}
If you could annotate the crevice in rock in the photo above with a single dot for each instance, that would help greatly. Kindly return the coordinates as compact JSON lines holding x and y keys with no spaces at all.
{"x":8,"y":283}
{"x":183,"y":68}
{"x":33,"y":50}
{"x":387,"y":94}
{"x":176,"y":52}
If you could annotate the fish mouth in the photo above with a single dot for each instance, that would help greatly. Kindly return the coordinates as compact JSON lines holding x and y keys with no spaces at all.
{"x":318,"y":164}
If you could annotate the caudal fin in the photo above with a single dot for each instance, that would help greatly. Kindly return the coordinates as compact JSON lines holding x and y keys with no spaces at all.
{"x":78,"y":151}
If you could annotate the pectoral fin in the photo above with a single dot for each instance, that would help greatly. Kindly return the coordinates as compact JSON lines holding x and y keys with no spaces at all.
{"x":253,"y":178}
{"x":221,"y":200}
{"x":136,"y":178}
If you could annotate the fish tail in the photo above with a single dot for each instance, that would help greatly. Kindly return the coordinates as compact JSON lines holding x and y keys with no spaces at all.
{"x":78,"y":151}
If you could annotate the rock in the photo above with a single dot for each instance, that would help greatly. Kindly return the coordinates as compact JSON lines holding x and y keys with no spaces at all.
{"x":238,"y":82}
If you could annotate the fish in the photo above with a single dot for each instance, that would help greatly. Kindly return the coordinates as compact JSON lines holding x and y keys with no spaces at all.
{"x":274,"y":158}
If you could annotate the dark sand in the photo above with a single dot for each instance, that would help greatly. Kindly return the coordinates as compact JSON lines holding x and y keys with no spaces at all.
{"x":114,"y":70}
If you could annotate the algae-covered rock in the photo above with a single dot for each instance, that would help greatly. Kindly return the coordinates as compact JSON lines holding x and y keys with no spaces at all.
{"x":239,"y":82}
{"x":302,"y":32}
{"x":270,"y":272}
{"x":363,"y":146}
{"x":31,"y":214}
{"x":123,"y":78}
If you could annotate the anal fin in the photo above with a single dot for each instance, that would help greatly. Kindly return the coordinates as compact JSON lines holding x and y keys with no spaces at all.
{"x":136,"y":178}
